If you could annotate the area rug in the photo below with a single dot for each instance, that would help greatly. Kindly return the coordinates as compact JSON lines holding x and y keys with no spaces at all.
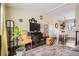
{"x":45,"y":50}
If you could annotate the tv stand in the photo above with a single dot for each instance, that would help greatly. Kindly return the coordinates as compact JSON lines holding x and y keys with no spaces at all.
{"x":36,"y":36}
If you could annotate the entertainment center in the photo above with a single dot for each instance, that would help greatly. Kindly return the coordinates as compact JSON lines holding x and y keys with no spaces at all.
{"x":35,"y":32}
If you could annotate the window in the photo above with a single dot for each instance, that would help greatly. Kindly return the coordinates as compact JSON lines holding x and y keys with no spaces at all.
{"x":71,"y":26}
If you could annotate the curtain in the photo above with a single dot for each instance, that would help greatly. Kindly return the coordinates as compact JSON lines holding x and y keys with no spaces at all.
{"x":4,"y":48}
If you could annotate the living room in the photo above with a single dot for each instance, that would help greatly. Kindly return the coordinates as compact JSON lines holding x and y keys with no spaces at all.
{"x":47,"y":25}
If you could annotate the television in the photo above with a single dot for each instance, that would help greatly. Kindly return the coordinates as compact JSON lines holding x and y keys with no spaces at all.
{"x":34,"y":27}
{"x":38,"y":27}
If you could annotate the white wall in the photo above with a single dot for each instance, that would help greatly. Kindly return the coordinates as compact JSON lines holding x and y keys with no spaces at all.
{"x":77,"y":17}
{"x":15,"y":14}
{"x":77,"y":21}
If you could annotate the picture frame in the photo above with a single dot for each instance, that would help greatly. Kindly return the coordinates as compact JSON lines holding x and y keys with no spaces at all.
{"x":20,"y":20}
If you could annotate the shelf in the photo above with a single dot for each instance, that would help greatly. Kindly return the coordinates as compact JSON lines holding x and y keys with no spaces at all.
{"x":10,"y":30}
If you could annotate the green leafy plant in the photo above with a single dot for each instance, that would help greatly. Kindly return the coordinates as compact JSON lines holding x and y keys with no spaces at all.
{"x":16,"y":33}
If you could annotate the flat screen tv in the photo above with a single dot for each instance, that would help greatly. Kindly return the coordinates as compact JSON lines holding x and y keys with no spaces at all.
{"x":38,"y":27}
{"x":34,"y":27}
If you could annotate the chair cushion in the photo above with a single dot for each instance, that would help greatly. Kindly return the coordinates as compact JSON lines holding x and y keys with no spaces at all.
{"x":24,"y":39}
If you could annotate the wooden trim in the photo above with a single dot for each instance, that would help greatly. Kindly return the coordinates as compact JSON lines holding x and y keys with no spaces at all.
{"x":76,"y":39}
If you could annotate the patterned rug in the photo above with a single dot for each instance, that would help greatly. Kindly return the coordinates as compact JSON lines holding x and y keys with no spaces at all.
{"x":45,"y":50}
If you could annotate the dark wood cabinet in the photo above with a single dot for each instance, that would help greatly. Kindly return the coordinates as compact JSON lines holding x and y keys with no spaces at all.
{"x":77,"y":38}
{"x":10,"y":30}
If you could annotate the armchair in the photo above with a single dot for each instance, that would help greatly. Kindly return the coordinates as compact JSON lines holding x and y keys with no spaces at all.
{"x":25,"y":39}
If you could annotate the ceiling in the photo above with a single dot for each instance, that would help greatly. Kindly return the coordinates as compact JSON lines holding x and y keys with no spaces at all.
{"x":40,"y":7}
{"x":57,"y":10}
{"x":67,"y":11}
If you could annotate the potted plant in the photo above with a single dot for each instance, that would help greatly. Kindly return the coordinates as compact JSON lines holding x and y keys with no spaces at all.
{"x":15,"y":35}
